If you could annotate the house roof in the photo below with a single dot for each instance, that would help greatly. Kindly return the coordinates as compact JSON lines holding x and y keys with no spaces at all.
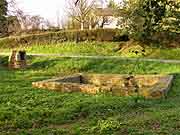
{"x":104,"y":12}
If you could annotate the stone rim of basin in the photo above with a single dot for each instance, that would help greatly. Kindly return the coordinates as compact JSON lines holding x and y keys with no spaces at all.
{"x":110,"y":83}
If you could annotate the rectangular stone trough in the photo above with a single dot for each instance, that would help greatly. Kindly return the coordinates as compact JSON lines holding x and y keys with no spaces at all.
{"x":149,"y":86}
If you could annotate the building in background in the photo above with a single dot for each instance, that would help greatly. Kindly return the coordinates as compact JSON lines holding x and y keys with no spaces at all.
{"x":107,"y":18}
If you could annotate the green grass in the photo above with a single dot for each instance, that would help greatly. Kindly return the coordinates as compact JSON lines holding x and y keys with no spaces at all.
{"x":96,"y":48}
{"x":71,"y":48}
{"x":165,"y":53}
{"x":25,"y":110}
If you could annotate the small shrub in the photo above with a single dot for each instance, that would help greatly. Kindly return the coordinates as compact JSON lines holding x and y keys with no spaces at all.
{"x":105,"y":127}
{"x":134,"y":49}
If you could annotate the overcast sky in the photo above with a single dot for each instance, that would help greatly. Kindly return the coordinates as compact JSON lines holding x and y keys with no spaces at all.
{"x":45,"y":8}
{"x":49,"y":9}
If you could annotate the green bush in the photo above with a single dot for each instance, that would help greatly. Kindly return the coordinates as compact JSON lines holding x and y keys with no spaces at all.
{"x":55,"y":37}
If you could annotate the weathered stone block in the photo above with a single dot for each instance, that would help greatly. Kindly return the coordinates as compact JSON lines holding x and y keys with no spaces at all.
{"x":149,"y":86}
{"x":17,"y":59}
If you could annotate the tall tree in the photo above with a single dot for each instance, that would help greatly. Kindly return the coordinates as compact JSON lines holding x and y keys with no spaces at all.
{"x":144,"y":18}
{"x":3,"y":13}
{"x":172,"y":20}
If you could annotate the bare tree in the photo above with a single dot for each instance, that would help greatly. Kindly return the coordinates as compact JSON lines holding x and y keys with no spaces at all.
{"x":14,"y":10}
{"x":26,"y":21}
{"x":35,"y":22}
{"x":14,"y":26}
{"x":81,"y":10}
{"x":48,"y":24}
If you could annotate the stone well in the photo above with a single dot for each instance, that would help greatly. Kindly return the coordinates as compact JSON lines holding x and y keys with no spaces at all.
{"x":17,"y":59}
{"x":149,"y":86}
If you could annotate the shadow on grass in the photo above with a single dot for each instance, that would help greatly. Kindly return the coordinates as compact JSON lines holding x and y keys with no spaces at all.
{"x":43,"y":64}
{"x":4,"y":60}
{"x":129,"y":67}
{"x":61,"y":65}
{"x":103,"y":66}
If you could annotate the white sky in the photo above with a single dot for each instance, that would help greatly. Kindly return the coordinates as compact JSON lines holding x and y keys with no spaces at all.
{"x":45,"y":8}
{"x":49,"y":9}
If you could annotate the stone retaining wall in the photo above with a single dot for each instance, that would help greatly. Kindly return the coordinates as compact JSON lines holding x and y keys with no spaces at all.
{"x":150,"y":86}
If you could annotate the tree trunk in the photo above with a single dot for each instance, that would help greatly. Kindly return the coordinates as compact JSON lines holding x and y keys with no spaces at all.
{"x":90,"y":27}
{"x":82,"y":26}
{"x":90,"y":24}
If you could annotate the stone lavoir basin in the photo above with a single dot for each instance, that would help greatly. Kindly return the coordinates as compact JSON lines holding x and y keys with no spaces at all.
{"x":149,"y":86}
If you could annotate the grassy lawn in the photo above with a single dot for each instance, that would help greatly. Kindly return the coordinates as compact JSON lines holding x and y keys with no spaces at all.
{"x":71,"y":48}
{"x":95,"y":48}
{"x":25,"y":110}
{"x":165,"y":53}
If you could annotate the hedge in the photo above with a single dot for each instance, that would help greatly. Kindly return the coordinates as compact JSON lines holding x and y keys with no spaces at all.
{"x":61,"y":36}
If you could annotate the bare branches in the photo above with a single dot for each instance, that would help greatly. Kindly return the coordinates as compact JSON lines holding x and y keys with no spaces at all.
{"x":80,"y":10}
{"x":76,"y":2}
{"x":26,"y":21}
